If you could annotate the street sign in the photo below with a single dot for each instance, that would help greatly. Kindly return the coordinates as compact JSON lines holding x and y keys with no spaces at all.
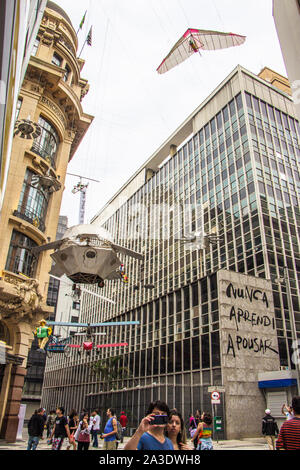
{"x":215,"y":398}
{"x":218,"y":423}
{"x":216,"y":388}
{"x":215,"y":395}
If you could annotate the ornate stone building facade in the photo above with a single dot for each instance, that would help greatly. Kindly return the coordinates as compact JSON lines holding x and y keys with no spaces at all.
{"x":50,"y":98}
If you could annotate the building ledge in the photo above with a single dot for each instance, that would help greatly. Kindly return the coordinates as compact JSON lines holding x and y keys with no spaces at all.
{"x":56,"y":73}
{"x":28,"y":228}
{"x":20,"y":296}
{"x":31,"y":398}
{"x":40,"y":163}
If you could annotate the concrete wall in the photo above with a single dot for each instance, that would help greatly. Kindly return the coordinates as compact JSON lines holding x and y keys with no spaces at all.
{"x":248,"y":346}
{"x":31,"y":406}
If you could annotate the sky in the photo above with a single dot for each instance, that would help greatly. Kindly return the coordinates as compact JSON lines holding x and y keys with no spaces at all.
{"x":136,"y":109}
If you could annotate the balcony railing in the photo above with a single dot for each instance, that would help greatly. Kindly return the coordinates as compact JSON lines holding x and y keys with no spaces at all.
{"x":32,"y":218}
{"x":43,"y":151}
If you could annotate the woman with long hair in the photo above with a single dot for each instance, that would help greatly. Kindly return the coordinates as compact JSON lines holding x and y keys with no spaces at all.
{"x":82,"y":435}
{"x":73,"y":425}
{"x":50,"y":422}
{"x":204,"y":433}
{"x":176,"y":432}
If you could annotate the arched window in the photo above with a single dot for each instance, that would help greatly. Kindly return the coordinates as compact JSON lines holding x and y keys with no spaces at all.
{"x":46,"y":145}
{"x":20,"y":258}
{"x":57,"y":60}
{"x":33,"y":202}
{"x":67,"y":73}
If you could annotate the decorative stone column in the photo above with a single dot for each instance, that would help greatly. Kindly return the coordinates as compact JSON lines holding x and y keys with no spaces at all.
{"x":11,"y":420}
{"x":21,"y":307}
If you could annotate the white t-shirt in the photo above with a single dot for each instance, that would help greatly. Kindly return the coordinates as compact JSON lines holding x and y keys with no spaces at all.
{"x":95,"y":421}
{"x":289,"y":415}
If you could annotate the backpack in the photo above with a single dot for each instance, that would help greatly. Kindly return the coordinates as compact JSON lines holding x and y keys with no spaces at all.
{"x":193,"y":427}
{"x":50,"y":420}
{"x":270,"y":427}
{"x":119,"y":433}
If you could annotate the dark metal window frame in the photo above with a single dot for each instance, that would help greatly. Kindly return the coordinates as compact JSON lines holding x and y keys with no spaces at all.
{"x":20,"y":258}
{"x":57,"y":59}
{"x":33,"y":203}
{"x":47,"y":144}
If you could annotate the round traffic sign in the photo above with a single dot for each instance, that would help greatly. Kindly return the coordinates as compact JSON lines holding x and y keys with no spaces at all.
{"x":215,"y":396}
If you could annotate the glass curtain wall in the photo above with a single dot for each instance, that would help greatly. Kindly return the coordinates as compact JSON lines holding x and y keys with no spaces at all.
{"x":225,"y":179}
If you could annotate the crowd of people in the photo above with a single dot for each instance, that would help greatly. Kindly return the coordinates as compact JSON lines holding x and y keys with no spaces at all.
{"x":160,"y":429}
{"x":80,"y":429}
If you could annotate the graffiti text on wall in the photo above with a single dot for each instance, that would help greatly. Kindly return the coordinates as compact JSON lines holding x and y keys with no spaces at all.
{"x":255,"y":344}
{"x":240,"y":315}
{"x":243,"y":318}
{"x":246,"y":293}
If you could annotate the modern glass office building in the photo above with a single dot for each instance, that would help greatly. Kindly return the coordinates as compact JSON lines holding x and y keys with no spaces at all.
{"x":231,"y":169}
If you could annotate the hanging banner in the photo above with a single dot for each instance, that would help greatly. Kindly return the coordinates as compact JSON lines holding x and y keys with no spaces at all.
{"x":21,"y":417}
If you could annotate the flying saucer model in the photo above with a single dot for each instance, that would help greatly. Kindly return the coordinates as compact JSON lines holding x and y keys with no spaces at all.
{"x":47,"y":182}
{"x":87,"y":255}
{"x":200,"y":240}
{"x":26,"y":129}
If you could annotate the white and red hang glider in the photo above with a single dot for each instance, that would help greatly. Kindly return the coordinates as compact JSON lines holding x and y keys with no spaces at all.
{"x":195,"y":40}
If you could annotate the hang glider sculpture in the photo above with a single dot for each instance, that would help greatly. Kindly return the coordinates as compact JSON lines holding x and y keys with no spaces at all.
{"x":195,"y":40}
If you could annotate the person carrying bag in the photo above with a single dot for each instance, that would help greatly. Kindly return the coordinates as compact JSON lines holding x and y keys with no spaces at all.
{"x":82,"y":435}
{"x":193,"y":426}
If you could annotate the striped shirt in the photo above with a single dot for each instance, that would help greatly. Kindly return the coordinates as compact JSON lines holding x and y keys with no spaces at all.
{"x":206,"y":433}
{"x":289,"y":436}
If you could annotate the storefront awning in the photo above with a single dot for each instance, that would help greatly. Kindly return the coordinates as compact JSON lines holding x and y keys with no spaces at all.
{"x":277,"y":383}
{"x":277,"y":379}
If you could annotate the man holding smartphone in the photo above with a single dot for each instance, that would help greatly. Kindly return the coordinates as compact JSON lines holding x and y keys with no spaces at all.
{"x":150,"y":433}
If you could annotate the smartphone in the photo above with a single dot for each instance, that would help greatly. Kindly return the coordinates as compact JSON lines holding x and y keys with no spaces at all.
{"x":159,"y":419}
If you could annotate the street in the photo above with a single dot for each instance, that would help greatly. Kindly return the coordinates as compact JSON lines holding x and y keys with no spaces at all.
{"x":244,"y":444}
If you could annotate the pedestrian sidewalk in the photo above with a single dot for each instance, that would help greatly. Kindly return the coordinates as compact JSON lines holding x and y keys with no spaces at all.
{"x":255,"y":443}
{"x":243,"y":444}
{"x":22,"y":444}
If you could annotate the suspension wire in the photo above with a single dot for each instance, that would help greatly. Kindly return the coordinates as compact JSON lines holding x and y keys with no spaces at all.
{"x":192,"y":64}
{"x":131,"y":58}
{"x":219,"y":16}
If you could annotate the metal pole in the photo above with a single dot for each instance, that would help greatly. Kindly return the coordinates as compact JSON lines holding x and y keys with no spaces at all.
{"x":293,"y":324}
{"x":215,"y":414}
{"x":82,"y":205}
{"x":82,"y":189}
{"x":82,"y":48}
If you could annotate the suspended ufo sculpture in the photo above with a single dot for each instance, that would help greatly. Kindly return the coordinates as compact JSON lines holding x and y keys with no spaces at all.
{"x":87,"y":255}
{"x":27,"y":129}
{"x":47,"y":182}
{"x":200,"y":240}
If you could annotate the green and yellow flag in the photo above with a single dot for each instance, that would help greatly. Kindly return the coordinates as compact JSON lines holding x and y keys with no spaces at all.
{"x":82,"y":21}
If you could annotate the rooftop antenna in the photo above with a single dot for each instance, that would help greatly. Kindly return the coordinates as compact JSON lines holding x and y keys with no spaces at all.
{"x":81,"y":187}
